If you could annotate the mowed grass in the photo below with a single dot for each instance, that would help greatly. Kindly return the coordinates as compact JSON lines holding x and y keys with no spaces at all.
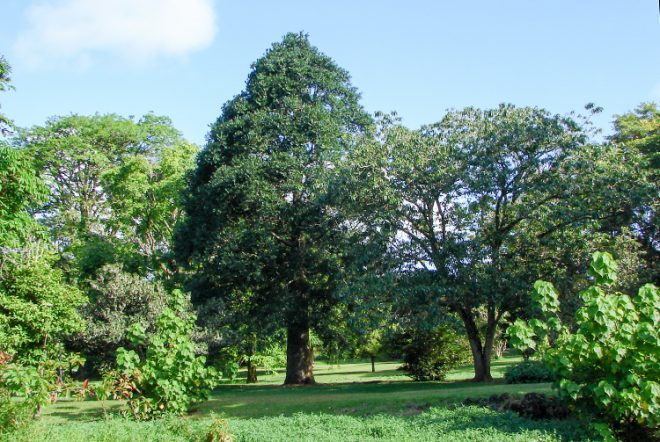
{"x":346,"y":388}
{"x":349,"y":404}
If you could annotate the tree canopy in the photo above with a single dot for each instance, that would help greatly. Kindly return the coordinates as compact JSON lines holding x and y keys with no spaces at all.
{"x":261,"y":231}
{"x":115,"y":187}
{"x":475,"y":198}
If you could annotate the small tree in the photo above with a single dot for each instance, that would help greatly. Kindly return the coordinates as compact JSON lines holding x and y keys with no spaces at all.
{"x":171,"y":377}
{"x":428,"y":355}
{"x":372,"y":346}
{"x":611,"y":363}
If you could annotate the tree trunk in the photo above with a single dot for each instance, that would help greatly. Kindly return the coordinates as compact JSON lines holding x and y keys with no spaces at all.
{"x":299,"y":355}
{"x":480,"y":360}
{"x":500,"y":348}
{"x":251,"y":372}
{"x":373,"y":364}
{"x":481,"y":352}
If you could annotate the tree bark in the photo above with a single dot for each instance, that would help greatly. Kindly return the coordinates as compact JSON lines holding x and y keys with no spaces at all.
{"x":299,"y":355}
{"x":373,"y":364}
{"x":481,"y":352}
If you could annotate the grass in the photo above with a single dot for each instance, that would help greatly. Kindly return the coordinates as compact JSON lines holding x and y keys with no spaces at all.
{"x":349,"y":404}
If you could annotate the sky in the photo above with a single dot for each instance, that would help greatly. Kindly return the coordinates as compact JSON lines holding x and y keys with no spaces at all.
{"x":185,"y":58}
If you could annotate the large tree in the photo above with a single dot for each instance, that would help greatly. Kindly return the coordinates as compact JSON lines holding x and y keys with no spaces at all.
{"x":5,"y":80}
{"x":115,"y":187}
{"x":637,"y":137}
{"x":478,"y":199}
{"x":261,"y":230}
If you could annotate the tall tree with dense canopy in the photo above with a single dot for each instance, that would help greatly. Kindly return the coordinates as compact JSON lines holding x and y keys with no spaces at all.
{"x":261,"y":231}
{"x":475,"y":200}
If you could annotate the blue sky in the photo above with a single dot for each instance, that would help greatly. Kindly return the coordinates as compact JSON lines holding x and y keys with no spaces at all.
{"x":185,"y":58}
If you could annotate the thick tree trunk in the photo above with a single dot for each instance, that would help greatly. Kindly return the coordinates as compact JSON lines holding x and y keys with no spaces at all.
{"x":299,"y":356}
{"x":373,"y":364}
{"x":480,"y":360}
{"x":481,"y":352}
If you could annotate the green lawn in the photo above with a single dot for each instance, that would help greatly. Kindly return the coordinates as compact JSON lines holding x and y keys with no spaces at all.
{"x":349,"y":404}
{"x":346,"y":388}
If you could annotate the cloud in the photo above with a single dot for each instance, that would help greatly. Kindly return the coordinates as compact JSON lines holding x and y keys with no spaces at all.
{"x":75,"y":31}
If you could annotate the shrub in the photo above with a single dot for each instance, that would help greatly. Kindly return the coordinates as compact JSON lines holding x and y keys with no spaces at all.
{"x":528,"y":372}
{"x":611,"y":363}
{"x":171,"y":377}
{"x":429,"y":355}
{"x":117,"y":300}
{"x":531,"y":405}
{"x":14,"y":415}
{"x":37,"y":307}
{"x":37,"y":310}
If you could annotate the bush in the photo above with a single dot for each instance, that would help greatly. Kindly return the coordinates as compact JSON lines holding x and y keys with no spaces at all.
{"x":117,"y":300}
{"x":171,"y":377}
{"x":611,"y":364}
{"x":37,"y":307}
{"x":429,"y":355}
{"x":14,"y":415}
{"x":528,"y":372}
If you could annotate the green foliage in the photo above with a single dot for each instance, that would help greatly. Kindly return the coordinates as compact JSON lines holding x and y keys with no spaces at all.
{"x":5,"y":79}
{"x":373,"y":343}
{"x":429,"y":355}
{"x":641,"y":129}
{"x":14,"y":415}
{"x":263,"y":232}
{"x":146,"y":200}
{"x":229,"y":370}
{"x":611,"y":362}
{"x":113,"y":181}
{"x":637,"y":142}
{"x":37,"y":307}
{"x":42,"y":378}
{"x":469,"y":202}
{"x":218,"y":431}
{"x":170,"y":377}
{"x":437,"y":424}
{"x":20,"y":190}
{"x":117,"y":300}
{"x":528,"y":372}
{"x":269,"y":358}
{"x":603,"y":269}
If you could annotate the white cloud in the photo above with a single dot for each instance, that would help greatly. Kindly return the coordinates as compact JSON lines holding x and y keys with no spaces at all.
{"x":74,"y":31}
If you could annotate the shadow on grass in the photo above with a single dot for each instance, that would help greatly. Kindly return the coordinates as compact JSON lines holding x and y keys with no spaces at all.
{"x":362,"y":374}
{"x":394,"y":398}
{"x":93,"y":411}
{"x":478,"y":418}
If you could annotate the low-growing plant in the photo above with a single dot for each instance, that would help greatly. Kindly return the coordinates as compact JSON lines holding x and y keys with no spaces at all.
{"x":229,"y":370}
{"x":28,"y":385}
{"x":171,"y":377}
{"x":14,"y":415}
{"x":611,"y":363}
{"x":218,"y":431}
{"x":527,"y":372}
